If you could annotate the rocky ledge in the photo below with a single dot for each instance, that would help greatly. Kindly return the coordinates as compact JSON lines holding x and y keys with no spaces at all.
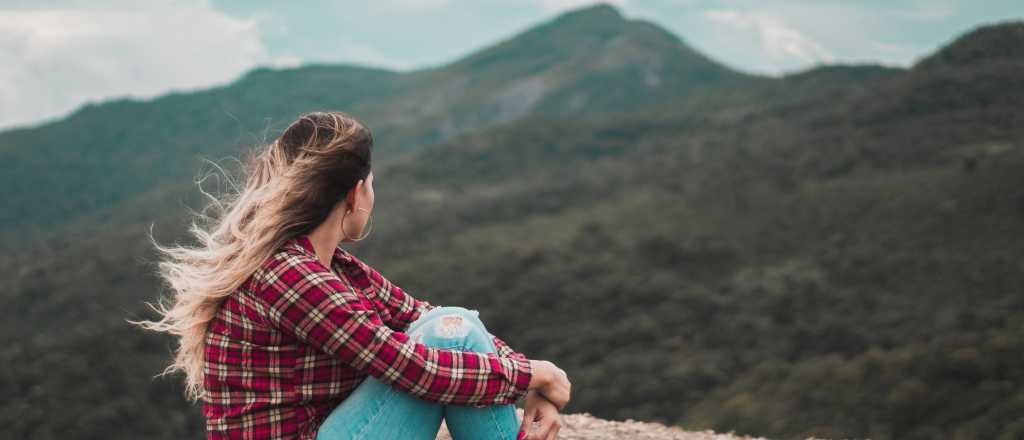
{"x":584,"y":426}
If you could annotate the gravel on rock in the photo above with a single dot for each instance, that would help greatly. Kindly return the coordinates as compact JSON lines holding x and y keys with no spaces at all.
{"x":584,"y":426}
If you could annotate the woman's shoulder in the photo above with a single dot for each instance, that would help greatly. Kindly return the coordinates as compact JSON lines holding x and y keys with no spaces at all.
{"x":298,"y":252}
{"x":288,"y":256}
{"x":291,"y":250}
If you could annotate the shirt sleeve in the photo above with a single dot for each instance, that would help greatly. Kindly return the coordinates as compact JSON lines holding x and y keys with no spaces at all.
{"x":505,"y":351}
{"x":403,"y":308}
{"x":306,"y":300}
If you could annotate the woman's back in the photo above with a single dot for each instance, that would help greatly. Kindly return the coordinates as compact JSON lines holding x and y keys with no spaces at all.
{"x":259,"y":379}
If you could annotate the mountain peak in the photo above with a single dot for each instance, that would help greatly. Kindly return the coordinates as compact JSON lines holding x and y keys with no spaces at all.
{"x":993,"y":41}
{"x":599,"y":19}
{"x":599,"y":11}
{"x":594,"y":32}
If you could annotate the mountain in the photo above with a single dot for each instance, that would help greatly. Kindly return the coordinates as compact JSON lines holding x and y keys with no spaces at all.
{"x":111,"y":153}
{"x":832,"y":253}
{"x":565,"y":66}
{"x":997,"y":41}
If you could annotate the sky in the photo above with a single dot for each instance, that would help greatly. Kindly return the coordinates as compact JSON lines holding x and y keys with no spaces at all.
{"x":65,"y":53}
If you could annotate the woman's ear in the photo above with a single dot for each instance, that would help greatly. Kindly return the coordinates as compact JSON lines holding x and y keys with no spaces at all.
{"x":349,"y":199}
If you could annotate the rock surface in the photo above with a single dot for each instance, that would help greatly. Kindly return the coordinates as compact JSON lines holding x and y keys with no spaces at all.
{"x":583,"y":426}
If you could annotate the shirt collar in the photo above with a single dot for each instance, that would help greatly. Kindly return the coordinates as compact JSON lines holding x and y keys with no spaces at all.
{"x":303,"y":243}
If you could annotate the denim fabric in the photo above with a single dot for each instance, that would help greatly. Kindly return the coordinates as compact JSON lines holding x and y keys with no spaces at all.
{"x":375,"y":410}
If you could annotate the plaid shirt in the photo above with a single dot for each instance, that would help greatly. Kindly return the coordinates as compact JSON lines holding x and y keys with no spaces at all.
{"x":296,"y":338}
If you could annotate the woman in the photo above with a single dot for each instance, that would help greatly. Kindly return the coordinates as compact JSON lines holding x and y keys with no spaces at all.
{"x":285,"y":334}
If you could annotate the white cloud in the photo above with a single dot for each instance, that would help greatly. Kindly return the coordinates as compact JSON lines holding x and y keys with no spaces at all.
{"x":59,"y":58}
{"x":777,"y":39}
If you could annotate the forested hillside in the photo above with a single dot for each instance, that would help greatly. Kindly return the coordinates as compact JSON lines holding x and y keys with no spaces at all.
{"x":834,"y":253}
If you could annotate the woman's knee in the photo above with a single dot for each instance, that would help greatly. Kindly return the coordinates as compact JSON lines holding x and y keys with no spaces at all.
{"x":452,"y":326}
{"x":448,"y":312}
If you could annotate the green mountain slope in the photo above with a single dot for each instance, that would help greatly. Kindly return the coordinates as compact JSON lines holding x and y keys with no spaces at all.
{"x":584,"y":63}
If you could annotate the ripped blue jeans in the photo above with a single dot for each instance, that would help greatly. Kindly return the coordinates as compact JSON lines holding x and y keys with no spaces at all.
{"x":376,"y":411}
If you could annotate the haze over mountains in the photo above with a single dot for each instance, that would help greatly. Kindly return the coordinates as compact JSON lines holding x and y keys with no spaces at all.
{"x":836,"y":252}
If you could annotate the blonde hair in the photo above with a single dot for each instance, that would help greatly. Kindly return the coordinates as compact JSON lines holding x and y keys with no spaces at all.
{"x":291,"y":187}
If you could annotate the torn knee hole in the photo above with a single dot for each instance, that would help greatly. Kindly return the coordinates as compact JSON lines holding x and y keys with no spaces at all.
{"x":452,"y":326}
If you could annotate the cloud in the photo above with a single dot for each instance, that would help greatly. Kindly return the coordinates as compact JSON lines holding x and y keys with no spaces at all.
{"x":66,"y":56}
{"x":776,"y":38}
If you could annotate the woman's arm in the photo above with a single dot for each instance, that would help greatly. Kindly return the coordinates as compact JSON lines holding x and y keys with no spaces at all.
{"x":504,"y":350}
{"x":309,"y":302}
{"x":401,"y":308}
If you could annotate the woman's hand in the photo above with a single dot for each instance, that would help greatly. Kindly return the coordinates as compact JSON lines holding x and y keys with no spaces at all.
{"x":551,"y":382}
{"x":539,"y":409}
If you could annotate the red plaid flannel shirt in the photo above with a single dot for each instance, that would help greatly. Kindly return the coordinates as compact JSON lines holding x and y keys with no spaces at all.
{"x":296,"y":338}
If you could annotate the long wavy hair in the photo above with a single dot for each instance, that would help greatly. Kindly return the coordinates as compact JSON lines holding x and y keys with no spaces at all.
{"x":291,"y":186}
